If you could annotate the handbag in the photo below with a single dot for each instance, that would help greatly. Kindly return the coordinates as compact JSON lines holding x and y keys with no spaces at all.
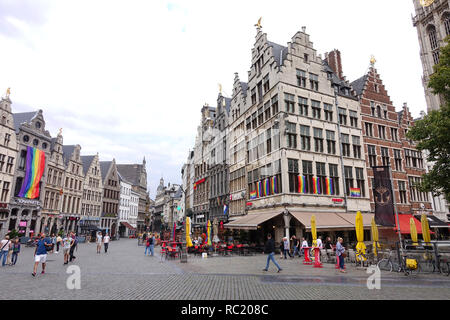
{"x":344,"y":255}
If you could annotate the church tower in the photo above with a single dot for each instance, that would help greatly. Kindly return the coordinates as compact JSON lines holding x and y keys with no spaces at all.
{"x":432,"y":21}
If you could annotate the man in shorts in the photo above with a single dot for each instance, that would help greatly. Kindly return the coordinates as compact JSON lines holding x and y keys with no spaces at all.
{"x":99,"y":242}
{"x":67,"y":243}
{"x":40,"y":254}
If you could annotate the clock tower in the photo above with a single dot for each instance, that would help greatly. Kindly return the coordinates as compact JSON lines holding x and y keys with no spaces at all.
{"x":432,"y":21}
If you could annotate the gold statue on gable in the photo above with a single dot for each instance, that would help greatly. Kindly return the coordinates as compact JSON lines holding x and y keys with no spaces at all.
{"x":426,"y":3}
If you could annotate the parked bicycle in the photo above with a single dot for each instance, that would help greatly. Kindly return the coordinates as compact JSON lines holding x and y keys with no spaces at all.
{"x":388,"y":262}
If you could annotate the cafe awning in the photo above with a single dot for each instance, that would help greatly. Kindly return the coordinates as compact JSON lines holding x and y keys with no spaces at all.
{"x":127,"y":225}
{"x":433,"y":221}
{"x":331,"y":220}
{"x":252,"y":220}
{"x":405,"y":224}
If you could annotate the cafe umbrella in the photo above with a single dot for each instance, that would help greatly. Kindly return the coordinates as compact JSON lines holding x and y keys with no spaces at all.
{"x":360,"y":246}
{"x":375,"y":237}
{"x":209,"y":233}
{"x":188,"y":232}
{"x":425,"y":228}
{"x":314,"y":230}
{"x":413,"y":231}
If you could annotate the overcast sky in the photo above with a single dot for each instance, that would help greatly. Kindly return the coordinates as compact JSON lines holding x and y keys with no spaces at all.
{"x":128,"y":78}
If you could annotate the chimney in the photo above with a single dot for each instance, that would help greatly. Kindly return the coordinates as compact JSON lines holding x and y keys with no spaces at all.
{"x":333,"y":59}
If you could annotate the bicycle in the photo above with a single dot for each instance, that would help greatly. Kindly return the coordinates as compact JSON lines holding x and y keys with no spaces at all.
{"x":388,"y":264}
{"x":429,"y":265}
{"x":444,"y":265}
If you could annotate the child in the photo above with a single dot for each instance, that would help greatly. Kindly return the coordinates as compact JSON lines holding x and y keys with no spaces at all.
{"x":16,"y":250}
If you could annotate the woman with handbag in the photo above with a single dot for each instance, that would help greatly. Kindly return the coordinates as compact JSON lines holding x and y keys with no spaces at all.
{"x":340,"y":253}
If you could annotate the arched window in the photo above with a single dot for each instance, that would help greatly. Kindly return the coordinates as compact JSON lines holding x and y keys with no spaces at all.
{"x":379,"y":111}
{"x":446,"y":22}
{"x":431,"y":31}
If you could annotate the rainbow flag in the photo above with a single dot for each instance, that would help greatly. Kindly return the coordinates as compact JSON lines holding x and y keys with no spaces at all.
{"x":34,"y":169}
{"x":316,"y":183}
{"x":267,"y":187}
{"x":253,"y":195}
{"x":355,"y":192}
{"x":329,"y":186}
{"x":274,"y":185}
{"x":301,"y":184}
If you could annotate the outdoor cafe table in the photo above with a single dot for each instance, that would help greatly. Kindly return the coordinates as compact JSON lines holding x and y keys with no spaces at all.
{"x":307,"y":260}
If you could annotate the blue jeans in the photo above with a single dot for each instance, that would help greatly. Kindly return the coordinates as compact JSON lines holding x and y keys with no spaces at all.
{"x":296,"y":251}
{"x":341,"y":262}
{"x":147,"y":249}
{"x":3,"y":254}
{"x":152,"y":248}
{"x":271,"y":256}
{"x":14,"y":258}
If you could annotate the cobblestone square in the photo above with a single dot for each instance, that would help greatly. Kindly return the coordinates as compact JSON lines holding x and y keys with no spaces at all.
{"x":124,"y":273}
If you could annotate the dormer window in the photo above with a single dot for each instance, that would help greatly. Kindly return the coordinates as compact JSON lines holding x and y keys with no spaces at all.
{"x":38,"y":125}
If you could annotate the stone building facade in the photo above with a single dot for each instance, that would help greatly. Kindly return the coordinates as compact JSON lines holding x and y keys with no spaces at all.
{"x":92,"y":200}
{"x":111,"y":194}
{"x":52,"y":205}
{"x":25,"y":213}
{"x":8,"y":158}
{"x":433,"y":26}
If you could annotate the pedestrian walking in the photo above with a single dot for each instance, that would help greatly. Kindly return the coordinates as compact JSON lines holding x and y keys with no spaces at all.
{"x":40,"y":254}
{"x":99,"y":241}
{"x":16,"y":250}
{"x":58,"y":243}
{"x":269,"y":249}
{"x":53,"y":243}
{"x":328,"y":243}
{"x":106,"y":239}
{"x":304,"y":245}
{"x":152,"y":243}
{"x":73,"y":246}
{"x":67,"y":243}
{"x":340,"y":253}
{"x":281,"y":248}
{"x":10,"y":251}
{"x":286,"y":249}
{"x":296,"y":246}
{"x":147,"y":247}
{"x":319,"y":242}
{"x":144,"y":238}
{"x":5,"y":244}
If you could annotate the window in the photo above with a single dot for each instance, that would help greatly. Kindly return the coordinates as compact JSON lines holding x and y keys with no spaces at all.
{"x":314,"y":82}
{"x":315,"y":106}
{"x":318,"y":140}
{"x":360,"y":181}
{"x":416,"y":194}
{"x":308,"y":173}
{"x":2,"y":161}
{"x":356,"y":147}
{"x":348,"y":172}
{"x":253,"y":96}
{"x":260,"y":116}
{"x":267,"y":111}
{"x":260,"y":91}
{"x":321,"y":176}
{"x":305,"y":58}
{"x":266,"y":83}
{"x":9,"y":165}
{"x":394,"y":134}
{"x":342,"y":116}
{"x":385,"y":156}
{"x":334,"y":178}
{"x":291,"y":135}
{"x":345,"y":145}
{"x":398,"y":159}
{"x":328,"y":110}
{"x":368,"y":127}
{"x":331,"y":143}
{"x":289,"y":100}
{"x":7,"y":139}
{"x":274,"y":105}
{"x":372,"y":108}
{"x":433,"y":39}
{"x":353,"y":119}
{"x":301,"y":78}
{"x":305,"y":137}
{"x":372,"y":156}
{"x":303,"y":106}
{"x":378,"y":111}
{"x":23,"y":156}
{"x":5,"y":191}
{"x":248,"y":123}
{"x":447,"y":24}
{"x":293,"y":175}
{"x":402,"y":191}
{"x":382,"y":132}
{"x":254,"y":120}
{"x":268,"y":141}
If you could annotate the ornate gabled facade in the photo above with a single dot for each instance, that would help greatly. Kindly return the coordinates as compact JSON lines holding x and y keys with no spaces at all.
{"x":34,"y":142}
{"x":433,"y":26}
{"x":54,"y":188}
{"x":92,"y":200}
{"x":8,"y":159}
{"x":111,"y":195}
{"x":385,"y":144}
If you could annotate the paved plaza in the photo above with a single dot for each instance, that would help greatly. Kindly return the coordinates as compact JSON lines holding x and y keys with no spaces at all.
{"x":125,"y":273}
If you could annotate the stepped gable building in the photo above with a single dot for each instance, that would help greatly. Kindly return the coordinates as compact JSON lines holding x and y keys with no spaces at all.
{"x":8,"y":159}
{"x":136,"y":174}
{"x":218,"y":167}
{"x":237,"y":142}
{"x":111,"y":194}
{"x":385,"y":143}
{"x":303,"y":143}
{"x":34,"y":143}
{"x":433,"y":26}
{"x":73,"y":187}
{"x":201,"y":186}
{"x":54,"y":188}
{"x":92,"y":200}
